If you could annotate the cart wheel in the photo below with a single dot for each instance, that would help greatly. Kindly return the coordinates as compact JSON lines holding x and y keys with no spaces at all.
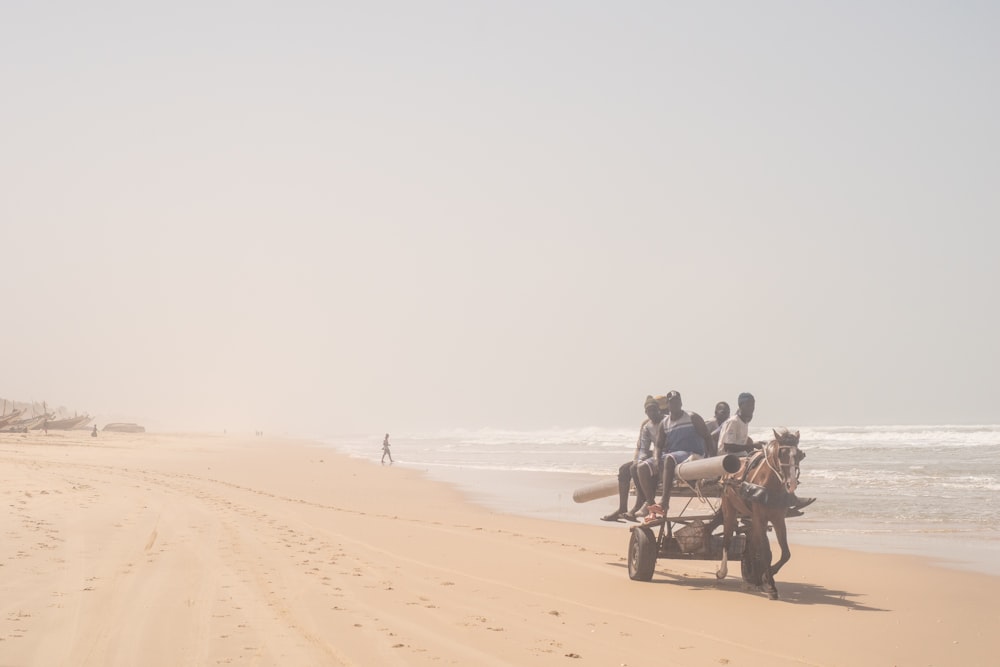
{"x":641,"y":554}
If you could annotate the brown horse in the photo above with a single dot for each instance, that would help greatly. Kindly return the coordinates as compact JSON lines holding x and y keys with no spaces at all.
{"x":759,"y":491}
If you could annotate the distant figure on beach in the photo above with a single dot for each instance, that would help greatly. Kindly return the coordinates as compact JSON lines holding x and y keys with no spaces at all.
{"x":627,"y":473}
{"x":714,"y":425}
{"x":93,"y":434}
{"x":385,"y":450}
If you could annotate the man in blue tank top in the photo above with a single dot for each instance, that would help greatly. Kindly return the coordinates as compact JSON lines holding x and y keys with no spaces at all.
{"x":681,"y":436}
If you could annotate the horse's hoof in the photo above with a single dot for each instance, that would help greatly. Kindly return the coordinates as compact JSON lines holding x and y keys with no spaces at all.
{"x":772,"y":595}
{"x":720,"y":575}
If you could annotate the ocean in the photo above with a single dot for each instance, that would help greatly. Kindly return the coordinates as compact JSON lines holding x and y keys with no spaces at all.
{"x":920,"y":490}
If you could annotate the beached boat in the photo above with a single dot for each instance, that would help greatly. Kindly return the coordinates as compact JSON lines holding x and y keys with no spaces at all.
{"x":122,"y":427}
{"x":24,"y":425}
{"x":7,"y":419}
{"x":15,"y":413}
{"x":64,"y":424}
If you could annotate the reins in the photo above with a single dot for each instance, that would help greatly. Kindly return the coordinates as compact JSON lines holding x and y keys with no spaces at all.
{"x":787,"y":480}
{"x":769,"y":458}
{"x":774,"y":448}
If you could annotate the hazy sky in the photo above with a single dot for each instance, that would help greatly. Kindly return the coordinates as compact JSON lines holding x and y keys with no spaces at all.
{"x":405,"y":216}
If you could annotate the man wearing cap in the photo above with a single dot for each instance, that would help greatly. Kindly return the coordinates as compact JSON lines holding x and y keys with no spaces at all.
{"x":654,"y":407}
{"x":681,"y":436}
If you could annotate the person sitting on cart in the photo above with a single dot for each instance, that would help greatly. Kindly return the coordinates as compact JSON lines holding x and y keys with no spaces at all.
{"x":681,"y":436}
{"x":714,"y":425}
{"x":734,"y":435}
{"x":654,"y":407}
{"x":734,"y":438}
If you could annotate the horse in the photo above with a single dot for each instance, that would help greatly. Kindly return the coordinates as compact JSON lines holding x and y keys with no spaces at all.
{"x":760,"y":490}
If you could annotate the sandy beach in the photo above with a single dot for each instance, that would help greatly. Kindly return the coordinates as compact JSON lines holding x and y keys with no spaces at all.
{"x":204,"y":550}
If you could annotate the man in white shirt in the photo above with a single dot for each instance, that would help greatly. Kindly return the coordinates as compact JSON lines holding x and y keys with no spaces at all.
{"x":734,"y":437}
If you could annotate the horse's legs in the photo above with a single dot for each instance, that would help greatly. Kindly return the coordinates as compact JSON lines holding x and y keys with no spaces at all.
{"x":767,"y":571}
{"x":767,"y":584}
{"x":728,"y":528}
{"x":715,"y":521}
{"x":781,"y":533}
{"x":760,"y":555}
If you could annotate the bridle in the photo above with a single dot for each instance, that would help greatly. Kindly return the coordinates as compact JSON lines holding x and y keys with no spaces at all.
{"x":770,"y":458}
{"x":787,"y":473}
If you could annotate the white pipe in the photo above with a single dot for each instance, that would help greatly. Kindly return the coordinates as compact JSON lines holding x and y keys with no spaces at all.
{"x":608,"y":487}
{"x":710,"y":468}
{"x":689,"y":471}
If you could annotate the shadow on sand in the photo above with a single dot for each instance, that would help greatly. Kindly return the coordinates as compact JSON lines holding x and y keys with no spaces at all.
{"x":790,"y":591}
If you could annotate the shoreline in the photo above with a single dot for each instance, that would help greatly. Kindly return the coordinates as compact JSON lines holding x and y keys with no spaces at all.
{"x":544,"y":495}
{"x":879,"y":490}
{"x":186,"y":549}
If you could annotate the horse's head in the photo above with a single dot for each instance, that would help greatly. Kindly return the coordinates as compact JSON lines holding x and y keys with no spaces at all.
{"x":788,"y":442}
{"x":786,"y":437}
{"x":785,"y":450}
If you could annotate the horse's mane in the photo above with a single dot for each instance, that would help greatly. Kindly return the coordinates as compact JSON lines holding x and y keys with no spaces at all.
{"x":786,"y":437}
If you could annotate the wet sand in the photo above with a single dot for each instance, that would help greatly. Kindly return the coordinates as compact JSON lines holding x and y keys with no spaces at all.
{"x":197,"y":549}
{"x":550,"y":496}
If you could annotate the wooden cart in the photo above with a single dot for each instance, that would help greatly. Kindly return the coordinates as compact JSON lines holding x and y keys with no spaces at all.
{"x":682,"y":535}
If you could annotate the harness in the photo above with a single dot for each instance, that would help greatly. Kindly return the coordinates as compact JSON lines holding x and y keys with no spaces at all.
{"x":787,"y":473}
